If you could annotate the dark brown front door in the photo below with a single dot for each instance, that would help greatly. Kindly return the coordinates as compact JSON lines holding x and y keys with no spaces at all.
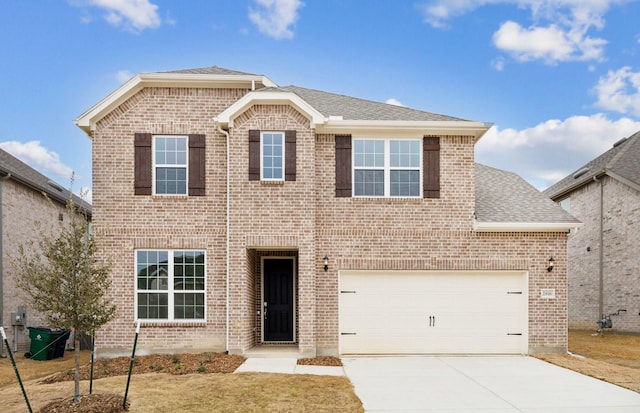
{"x":278,"y":308}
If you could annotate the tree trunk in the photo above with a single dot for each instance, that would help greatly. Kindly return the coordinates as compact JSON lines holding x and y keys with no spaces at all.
{"x":76,"y":376}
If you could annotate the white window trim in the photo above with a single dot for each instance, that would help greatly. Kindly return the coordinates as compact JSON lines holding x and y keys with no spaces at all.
{"x":155,"y":166}
{"x":170,"y":291}
{"x":284,"y":156}
{"x":387,"y":166}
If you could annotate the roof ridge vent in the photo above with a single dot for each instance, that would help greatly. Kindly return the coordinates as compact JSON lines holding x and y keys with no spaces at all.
{"x":620,"y":142}
{"x":54,"y":186}
{"x":581,"y":172}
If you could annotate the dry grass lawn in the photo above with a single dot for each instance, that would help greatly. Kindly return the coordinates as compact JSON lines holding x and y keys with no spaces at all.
{"x":612,"y":357}
{"x":162,"y":392}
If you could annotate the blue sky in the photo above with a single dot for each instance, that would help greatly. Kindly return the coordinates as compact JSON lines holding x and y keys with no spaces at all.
{"x":560,"y":80}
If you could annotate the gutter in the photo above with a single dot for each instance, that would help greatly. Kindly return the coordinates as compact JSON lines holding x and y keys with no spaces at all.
{"x":228,"y":241}
{"x":2,"y":181}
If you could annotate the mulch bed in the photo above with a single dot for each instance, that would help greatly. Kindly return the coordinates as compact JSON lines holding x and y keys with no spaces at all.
{"x":94,"y":403}
{"x":321,"y":361}
{"x":159,"y":363}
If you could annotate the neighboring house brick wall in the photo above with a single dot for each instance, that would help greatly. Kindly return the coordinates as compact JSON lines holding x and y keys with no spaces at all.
{"x":22,"y":207}
{"x":621,"y":236}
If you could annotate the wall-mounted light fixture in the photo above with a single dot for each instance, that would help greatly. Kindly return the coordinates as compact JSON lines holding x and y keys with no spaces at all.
{"x":551,"y":264}
{"x":326,"y":263}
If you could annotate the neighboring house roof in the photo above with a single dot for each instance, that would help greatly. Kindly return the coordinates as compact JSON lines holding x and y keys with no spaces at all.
{"x":505,"y":201}
{"x":621,"y":162}
{"x":26,"y":175}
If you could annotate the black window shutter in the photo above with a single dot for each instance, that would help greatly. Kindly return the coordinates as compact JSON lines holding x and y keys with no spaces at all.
{"x":254,"y":155}
{"x":197,"y":167}
{"x":142,"y":164}
{"x":290,"y":153}
{"x":431,"y":166}
{"x":343,"y":165}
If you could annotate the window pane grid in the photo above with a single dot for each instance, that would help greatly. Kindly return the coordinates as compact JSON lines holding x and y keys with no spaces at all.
{"x":387,"y":167}
{"x":170,"y":165}
{"x":272,"y":156}
{"x":162,"y":277}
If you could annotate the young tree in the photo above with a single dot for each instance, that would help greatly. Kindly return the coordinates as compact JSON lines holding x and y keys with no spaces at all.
{"x":63,"y":279}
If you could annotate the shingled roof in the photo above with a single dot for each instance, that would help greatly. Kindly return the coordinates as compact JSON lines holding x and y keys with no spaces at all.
{"x":621,"y":162}
{"x":351,"y":108}
{"x":505,"y":198}
{"x":211,"y":70}
{"x":26,"y":175}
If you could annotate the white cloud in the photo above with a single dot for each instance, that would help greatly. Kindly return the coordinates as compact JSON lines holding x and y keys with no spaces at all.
{"x":123,"y":75}
{"x":393,"y":101}
{"x":559,"y":31}
{"x":551,"y":44}
{"x":40,"y":158}
{"x":274,"y":17}
{"x":132,"y":15}
{"x":86,"y":194}
{"x":551,"y":150}
{"x":619,"y":91}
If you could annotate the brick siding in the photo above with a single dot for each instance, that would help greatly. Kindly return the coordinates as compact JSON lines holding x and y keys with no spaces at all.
{"x":22,"y":207}
{"x":621,"y":235}
{"x":300,"y":218}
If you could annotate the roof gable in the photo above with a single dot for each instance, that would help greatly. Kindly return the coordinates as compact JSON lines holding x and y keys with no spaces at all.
{"x":26,"y":175}
{"x":620,"y":162}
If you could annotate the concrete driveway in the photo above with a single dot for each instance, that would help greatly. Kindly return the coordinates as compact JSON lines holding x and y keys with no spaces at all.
{"x":486,"y":384}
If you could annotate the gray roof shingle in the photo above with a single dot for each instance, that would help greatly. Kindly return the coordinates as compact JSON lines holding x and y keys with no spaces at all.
{"x":503,"y":196}
{"x":623,"y":159}
{"x":350,"y":108}
{"x":26,"y":175}
{"x":211,"y":70}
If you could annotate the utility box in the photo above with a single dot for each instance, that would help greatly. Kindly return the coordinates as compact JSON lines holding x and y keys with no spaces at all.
{"x":17,"y":319}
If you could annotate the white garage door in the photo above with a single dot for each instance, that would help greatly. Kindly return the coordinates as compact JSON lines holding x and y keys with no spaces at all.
{"x":427,"y":312}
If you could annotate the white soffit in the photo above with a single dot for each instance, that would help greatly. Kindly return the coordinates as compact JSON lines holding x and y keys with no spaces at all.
{"x":525,"y":226}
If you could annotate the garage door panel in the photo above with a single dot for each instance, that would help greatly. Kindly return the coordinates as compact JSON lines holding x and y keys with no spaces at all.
{"x":420,"y":312}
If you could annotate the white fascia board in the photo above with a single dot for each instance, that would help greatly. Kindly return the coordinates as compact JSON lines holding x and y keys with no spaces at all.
{"x":226,"y":118}
{"x":525,"y":226}
{"x":88,"y":119}
{"x":463,"y":128}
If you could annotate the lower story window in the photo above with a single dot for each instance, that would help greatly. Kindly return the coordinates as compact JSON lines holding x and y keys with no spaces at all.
{"x":170,"y":285}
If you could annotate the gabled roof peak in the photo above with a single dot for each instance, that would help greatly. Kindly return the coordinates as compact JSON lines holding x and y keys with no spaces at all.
{"x":621,"y":161}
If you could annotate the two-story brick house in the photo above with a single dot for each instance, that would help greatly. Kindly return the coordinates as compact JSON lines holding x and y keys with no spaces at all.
{"x":241,"y":214}
{"x":26,"y":196}
{"x":603,"y":275}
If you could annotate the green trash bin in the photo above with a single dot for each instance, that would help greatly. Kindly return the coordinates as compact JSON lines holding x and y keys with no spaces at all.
{"x":41,"y":340}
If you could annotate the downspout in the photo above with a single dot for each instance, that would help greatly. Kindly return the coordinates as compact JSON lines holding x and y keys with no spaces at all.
{"x":601,"y":265}
{"x":2,"y":181}
{"x":228,"y":223}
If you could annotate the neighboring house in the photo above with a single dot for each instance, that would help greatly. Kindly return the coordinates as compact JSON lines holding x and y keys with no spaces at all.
{"x":240,"y":214}
{"x":604,"y":264}
{"x":26,"y":196}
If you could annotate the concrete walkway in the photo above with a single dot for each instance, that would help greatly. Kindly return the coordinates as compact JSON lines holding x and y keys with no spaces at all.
{"x":481,"y":384}
{"x":286,"y":365}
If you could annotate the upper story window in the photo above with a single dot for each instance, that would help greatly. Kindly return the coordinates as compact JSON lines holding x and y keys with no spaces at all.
{"x":387,"y":167}
{"x":170,"y":156}
{"x":368,"y":167}
{"x":566,"y":204}
{"x":272,"y":156}
{"x":170,"y":285}
{"x":169,"y":165}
